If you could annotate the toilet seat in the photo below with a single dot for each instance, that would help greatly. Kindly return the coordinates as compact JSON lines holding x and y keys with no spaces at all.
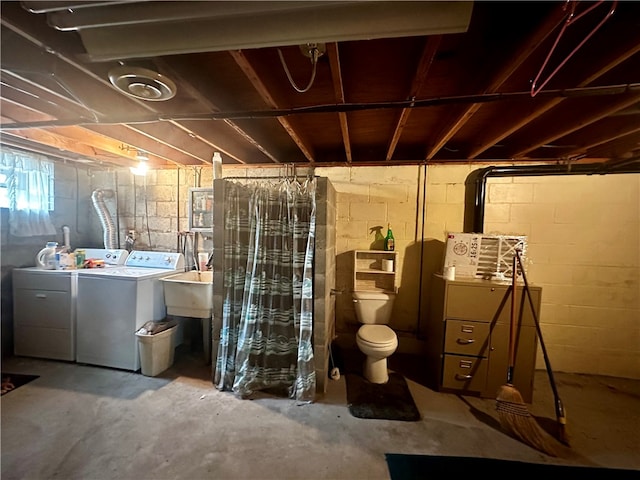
{"x":377,"y":336}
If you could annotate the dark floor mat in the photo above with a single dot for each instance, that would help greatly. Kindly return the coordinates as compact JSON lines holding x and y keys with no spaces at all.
{"x":408,"y":467}
{"x":388,"y":401}
{"x":11,"y":381}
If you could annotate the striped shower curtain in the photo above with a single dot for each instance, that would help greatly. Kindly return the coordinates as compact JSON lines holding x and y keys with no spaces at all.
{"x":266,"y":339}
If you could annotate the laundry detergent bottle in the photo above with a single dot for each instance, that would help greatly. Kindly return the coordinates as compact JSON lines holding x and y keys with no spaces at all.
{"x":46,"y":257}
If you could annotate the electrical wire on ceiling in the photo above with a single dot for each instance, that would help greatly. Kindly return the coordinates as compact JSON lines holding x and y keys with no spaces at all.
{"x":312,"y":50}
{"x":620,"y":89}
{"x":67,"y":92}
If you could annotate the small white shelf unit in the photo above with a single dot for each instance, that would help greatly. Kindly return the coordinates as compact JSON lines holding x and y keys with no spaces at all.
{"x":201,"y":209}
{"x":368,"y":273}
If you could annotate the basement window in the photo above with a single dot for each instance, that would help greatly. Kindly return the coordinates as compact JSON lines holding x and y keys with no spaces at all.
{"x":32,"y":176}
{"x":27,"y":190}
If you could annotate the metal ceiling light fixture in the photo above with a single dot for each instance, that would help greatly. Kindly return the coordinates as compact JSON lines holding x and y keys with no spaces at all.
{"x":141,"y":156}
{"x":142,"y":83}
{"x":143,"y":166}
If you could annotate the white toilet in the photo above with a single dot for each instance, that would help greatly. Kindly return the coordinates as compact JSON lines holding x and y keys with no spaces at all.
{"x":374,"y":338}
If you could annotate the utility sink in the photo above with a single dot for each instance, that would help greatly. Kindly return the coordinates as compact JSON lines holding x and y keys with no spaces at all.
{"x":189,"y":294}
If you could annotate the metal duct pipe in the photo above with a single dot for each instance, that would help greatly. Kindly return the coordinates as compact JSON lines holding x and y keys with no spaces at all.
{"x":108,"y":227}
{"x":476,"y":183}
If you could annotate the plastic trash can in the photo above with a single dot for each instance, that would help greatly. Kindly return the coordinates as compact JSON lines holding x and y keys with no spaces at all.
{"x":157,"y":349}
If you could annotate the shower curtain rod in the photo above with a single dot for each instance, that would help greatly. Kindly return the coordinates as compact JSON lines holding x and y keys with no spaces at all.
{"x":268,"y":178}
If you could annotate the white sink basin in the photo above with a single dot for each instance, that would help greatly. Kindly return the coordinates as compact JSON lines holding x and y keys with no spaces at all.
{"x":189,"y":294}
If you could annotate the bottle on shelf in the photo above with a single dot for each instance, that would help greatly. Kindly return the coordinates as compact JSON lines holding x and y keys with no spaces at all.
{"x":389,"y":241}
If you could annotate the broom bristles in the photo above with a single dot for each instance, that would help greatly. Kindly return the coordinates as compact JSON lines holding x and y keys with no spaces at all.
{"x":516,"y":420}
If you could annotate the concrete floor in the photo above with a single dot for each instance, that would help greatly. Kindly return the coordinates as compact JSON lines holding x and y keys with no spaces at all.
{"x":83,"y":422}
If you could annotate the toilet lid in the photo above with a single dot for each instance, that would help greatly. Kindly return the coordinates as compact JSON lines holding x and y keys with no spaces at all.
{"x":376,"y":334}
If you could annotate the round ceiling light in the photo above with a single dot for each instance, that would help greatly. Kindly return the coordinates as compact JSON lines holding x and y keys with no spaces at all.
{"x":142,"y":83}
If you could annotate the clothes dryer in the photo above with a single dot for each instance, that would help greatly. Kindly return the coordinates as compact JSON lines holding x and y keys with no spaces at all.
{"x":44,"y":307}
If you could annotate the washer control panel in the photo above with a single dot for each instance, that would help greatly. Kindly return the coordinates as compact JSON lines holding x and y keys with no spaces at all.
{"x":166,"y":260}
{"x":110,"y":256}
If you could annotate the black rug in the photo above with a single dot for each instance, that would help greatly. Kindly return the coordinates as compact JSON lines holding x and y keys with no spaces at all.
{"x":406,"y":467}
{"x":11,"y":381}
{"x":389,"y":401}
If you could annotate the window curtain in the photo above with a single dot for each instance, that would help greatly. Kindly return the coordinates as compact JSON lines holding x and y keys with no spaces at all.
{"x":29,"y":181}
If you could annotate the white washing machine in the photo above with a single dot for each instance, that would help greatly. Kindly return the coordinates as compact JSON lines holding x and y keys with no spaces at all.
{"x":113,"y":303}
{"x":44,"y":308}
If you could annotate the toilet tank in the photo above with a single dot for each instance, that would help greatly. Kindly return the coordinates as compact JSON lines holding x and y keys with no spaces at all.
{"x":373,"y":308}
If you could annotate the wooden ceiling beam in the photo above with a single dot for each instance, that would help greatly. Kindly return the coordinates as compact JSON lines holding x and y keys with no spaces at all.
{"x":623,"y":146}
{"x":507,"y":69}
{"x":62,"y":143}
{"x":244,"y":64}
{"x":419,"y":79}
{"x":15,"y":112}
{"x":603,"y":135}
{"x":12,"y":112}
{"x":204,"y":100}
{"x":338,"y":91}
{"x":27,"y":92}
{"x":72,"y":77}
{"x":582,"y":121}
{"x":621,"y":55}
{"x":176,"y":139}
{"x":129,"y":136}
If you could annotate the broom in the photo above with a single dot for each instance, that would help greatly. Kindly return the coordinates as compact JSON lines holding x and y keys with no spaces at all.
{"x":512,"y":411}
{"x":560,"y":412}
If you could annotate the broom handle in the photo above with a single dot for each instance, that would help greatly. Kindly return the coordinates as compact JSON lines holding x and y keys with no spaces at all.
{"x":512,"y":324}
{"x":542,"y":346}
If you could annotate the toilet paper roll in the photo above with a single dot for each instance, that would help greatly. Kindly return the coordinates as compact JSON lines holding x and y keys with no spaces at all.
{"x":387,"y":265}
{"x":449,"y":273}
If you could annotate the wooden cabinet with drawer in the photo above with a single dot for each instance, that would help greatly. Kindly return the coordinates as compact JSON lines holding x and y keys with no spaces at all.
{"x":468,"y":336}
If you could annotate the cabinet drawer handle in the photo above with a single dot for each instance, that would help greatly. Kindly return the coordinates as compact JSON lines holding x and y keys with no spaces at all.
{"x":463,"y":377}
{"x":465,"y":341}
{"x":41,"y":295}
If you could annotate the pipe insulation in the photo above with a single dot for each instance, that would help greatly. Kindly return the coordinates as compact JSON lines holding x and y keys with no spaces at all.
{"x":108,"y":227}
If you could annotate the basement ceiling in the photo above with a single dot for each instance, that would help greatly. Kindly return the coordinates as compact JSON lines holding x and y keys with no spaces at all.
{"x":394,"y":83}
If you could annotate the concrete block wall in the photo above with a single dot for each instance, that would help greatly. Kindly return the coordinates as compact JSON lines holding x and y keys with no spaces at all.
{"x":583,"y":247}
{"x":156,"y":206}
{"x":325,"y":275}
{"x":368,"y":200}
{"x":72,"y":207}
{"x":584,"y":250}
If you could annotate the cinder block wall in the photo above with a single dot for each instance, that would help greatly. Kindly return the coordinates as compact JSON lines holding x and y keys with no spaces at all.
{"x":583,"y":246}
{"x":325,"y":278}
{"x":368,"y":199}
{"x":583,"y":250}
{"x":72,"y":204}
{"x":156,"y":207}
